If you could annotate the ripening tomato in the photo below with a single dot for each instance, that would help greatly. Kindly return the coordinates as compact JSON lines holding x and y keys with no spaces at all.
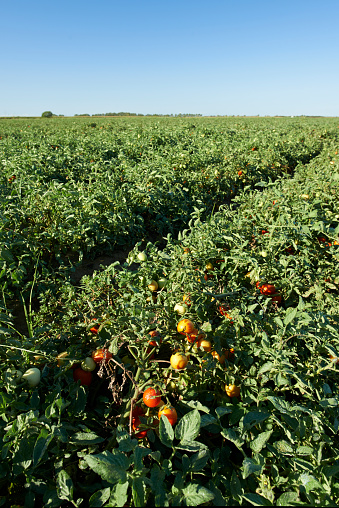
{"x":100,"y":355}
{"x":192,"y":337}
{"x":185,"y":326}
{"x":240,"y":172}
{"x":205,"y":344}
{"x":154,"y":343}
{"x":170,"y":414}
{"x":221,"y":358}
{"x":153,"y":286}
{"x":85,"y":377}
{"x":151,"y":397}
{"x":223,"y":309}
{"x":232,"y":390}
{"x":178,"y":361}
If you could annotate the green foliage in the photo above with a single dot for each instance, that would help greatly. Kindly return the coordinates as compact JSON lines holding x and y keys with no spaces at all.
{"x":47,"y":114}
{"x":82,"y":191}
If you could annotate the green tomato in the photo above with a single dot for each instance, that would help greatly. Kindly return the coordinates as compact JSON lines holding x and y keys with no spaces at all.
{"x":32,"y":376}
{"x":142,"y":256}
{"x":180,"y":309}
{"x":88,"y":364}
{"x":162,"y":283}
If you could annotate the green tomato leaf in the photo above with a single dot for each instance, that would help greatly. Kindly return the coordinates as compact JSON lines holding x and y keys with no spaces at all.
{"x":189,"y":426}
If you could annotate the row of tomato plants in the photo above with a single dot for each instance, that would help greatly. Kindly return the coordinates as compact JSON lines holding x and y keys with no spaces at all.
{"x":234,"y":326}
{"x":69,"y":190}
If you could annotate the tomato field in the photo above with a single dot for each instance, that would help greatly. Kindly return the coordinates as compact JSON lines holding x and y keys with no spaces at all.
{"x":201,"y":367}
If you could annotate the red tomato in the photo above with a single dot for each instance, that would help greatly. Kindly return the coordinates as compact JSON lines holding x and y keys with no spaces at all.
{"x":154,"y":343}
{"x":135,"y":425}
{"x":100,"y":355}
{"x":277,"y":299}
{"x":268,"y":289}
{"x":151,"y":397}
{"x":84,"y":376}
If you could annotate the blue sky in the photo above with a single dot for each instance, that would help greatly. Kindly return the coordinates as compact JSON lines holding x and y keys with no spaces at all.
{"x":226,"y":57}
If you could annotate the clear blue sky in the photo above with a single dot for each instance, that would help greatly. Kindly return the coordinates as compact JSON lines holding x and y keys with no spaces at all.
{"x":227,"y":57}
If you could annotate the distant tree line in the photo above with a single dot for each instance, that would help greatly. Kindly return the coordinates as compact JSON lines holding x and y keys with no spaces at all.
{"x":123,"y":113}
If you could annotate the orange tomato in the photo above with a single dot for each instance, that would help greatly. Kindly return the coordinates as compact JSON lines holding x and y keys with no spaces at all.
{"x":192,"y":337}
{"x":223,"y":311}
{"x":205,"y":344}
{"x":185,"y":326}
{"x":232,"y":390}
{"x":221,"y":358}
{"x":154,"y":333}
{"x":170,"y":414}
{"x":151,"y":397}
{"x":100,"y":355}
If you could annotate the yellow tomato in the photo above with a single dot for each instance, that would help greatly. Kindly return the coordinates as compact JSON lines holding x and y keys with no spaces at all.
{"x":153,"y":286}
{"x":205,"y":344}
{"x":178,"y":361}
{"x":232,"y":390}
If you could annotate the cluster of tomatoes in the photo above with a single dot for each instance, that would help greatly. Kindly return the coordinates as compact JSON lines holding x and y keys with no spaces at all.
{"x":179,"y":361}
{"x":269,"y":290}
{"x":152,"y":399}
{"x":84,"y":371}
